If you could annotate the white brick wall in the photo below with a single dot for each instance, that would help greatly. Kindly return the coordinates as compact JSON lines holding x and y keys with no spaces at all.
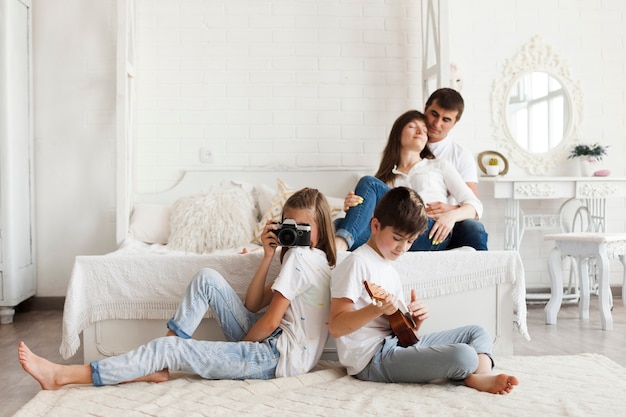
{"x":319,"y":83}
{"x":301,"y":83}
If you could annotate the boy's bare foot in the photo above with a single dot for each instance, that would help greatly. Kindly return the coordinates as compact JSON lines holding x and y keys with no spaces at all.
{"x":495,"y":384}
{"x":44,"y":371}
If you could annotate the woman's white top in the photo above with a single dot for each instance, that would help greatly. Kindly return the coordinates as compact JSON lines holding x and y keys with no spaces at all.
{"x":437,"y":180}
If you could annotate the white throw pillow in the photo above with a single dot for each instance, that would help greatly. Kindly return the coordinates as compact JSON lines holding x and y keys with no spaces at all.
{"x":220,"y":219}
{"x":150,"y":223}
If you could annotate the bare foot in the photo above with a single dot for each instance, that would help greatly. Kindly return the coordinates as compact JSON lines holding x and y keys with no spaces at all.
{"x":160,"y":376}
{"x":494,"y":384}
{"x":44,"y":371}
{"x":340,"y":244}
{"x":243,"y":251}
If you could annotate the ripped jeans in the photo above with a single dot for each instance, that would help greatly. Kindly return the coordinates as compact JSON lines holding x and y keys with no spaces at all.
{"x":209,"y":359}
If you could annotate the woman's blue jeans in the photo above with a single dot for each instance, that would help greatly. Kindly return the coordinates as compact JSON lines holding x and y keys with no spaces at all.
{"x":209,"y":359}
{"x":355,"y":227}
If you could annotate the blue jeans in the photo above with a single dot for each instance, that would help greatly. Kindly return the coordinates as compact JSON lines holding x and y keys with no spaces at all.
{"x":450,"y":354}
{"x":355,"y":227}
{"x":209,"y":359}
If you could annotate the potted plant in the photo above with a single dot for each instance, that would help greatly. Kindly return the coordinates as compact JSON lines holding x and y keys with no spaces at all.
{"x":589,"y":156}
{"x":595,"y":151}
{"x":493,"y":167}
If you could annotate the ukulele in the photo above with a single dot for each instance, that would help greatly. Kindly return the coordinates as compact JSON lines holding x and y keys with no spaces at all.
{"x":401,"y":323}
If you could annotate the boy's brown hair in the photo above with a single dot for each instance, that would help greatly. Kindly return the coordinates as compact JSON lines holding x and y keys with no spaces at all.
{"x":403,"y":209}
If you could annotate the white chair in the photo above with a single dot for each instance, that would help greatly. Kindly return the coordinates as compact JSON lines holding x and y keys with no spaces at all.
{"x":588,"y":249}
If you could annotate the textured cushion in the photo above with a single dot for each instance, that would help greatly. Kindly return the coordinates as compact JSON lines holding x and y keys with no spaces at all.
{"x":275,"y":209}
{"x":220,"y":219}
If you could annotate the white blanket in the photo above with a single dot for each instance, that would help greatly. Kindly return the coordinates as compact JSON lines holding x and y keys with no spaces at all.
{"x":576,"y":385}
{"x":127,"y":286}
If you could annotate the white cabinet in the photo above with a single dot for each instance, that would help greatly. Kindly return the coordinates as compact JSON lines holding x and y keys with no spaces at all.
{"x":17,"y":257}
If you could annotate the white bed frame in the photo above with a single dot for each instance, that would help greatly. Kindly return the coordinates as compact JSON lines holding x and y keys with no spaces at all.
{"x":491,"y":306}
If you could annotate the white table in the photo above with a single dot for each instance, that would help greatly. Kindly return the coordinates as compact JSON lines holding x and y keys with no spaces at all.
{"x":582,"y":246}
{"x":592,"y":192}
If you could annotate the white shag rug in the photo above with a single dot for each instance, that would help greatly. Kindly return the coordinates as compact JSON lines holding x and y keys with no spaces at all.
{"x":572,"y":385}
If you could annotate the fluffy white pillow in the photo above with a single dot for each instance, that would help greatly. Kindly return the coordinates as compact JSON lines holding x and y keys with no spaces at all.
{"x":220,"y":219}
{"x":275,"y":209}
{"x":150,"y":223}
{"x":263,"y":195}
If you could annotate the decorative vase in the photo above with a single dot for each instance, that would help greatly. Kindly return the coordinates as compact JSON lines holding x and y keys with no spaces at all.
{"x":588,"y":166}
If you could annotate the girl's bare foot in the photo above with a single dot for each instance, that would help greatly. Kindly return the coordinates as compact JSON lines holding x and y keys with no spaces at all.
{"x":48,"y":374}
{"x":494,"y":384}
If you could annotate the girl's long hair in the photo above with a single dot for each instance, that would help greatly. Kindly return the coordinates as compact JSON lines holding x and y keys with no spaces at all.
{"x":391,"y":153}
{"x":312,"y":199}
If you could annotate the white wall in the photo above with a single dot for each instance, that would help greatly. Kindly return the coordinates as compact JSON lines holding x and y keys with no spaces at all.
{"x":302,"y":83}
{"x":74,"y":94}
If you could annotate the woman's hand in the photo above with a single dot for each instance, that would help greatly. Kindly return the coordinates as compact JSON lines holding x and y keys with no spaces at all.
{"x":442,"y":227}
{"x":351,"y":200}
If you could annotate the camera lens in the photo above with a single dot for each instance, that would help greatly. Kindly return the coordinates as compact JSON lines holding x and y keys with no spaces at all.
{"x":287,"y":237}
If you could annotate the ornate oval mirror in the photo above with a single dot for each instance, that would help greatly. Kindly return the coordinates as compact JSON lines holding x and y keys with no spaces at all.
{"x":536,"y":108}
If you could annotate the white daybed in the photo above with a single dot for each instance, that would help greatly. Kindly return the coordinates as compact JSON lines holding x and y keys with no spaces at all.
{"x":123,"y":299}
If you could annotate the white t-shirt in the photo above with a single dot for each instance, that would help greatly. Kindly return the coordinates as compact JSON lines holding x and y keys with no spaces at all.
{"x":356,"y":349}
{"x":460,"y":157}
{"x":304,"y":280}
{"x":437,"y":180}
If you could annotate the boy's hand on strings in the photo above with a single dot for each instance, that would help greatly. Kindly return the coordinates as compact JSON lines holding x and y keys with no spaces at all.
{"x":417,"y":307}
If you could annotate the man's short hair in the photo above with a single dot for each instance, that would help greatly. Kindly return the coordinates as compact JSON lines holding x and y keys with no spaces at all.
{"x":449,"y":99}
{"x":403,"y":209}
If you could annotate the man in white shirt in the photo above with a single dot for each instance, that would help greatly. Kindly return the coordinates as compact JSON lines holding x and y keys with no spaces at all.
{"x":443,"y":110}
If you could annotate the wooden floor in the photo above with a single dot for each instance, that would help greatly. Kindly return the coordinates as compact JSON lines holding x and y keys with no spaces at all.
{"x":41,"y":330}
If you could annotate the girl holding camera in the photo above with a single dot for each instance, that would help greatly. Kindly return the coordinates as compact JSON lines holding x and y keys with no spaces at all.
{"x":286,"y":340}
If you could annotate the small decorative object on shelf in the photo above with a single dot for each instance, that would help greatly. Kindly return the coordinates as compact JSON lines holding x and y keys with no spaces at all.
{"x":496,"y":164}
{"x":590,"y":157}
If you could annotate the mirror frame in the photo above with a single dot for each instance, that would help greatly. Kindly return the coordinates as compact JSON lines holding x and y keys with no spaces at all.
{"x":535,"y":56}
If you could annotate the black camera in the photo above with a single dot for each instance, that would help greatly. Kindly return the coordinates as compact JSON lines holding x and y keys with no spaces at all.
{"x":290,"y":233}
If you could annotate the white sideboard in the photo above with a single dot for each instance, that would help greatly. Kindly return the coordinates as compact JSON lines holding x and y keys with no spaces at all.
{"x":592,"y":192}
{"x":17,"y":246}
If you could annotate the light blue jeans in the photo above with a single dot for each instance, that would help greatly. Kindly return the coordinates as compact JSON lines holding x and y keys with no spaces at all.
{"x":211,"y":360}
{"x":355,"y":227}
{"x":451,"y":354}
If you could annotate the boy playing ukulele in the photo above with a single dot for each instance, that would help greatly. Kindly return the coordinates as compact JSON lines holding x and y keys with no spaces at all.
{"x":366,"y":343}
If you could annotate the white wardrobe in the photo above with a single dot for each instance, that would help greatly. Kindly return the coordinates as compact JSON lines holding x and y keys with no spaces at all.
{"x":17,"y":257}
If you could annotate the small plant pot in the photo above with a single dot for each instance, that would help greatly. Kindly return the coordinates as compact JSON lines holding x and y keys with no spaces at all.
{"x":492,"y":170}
